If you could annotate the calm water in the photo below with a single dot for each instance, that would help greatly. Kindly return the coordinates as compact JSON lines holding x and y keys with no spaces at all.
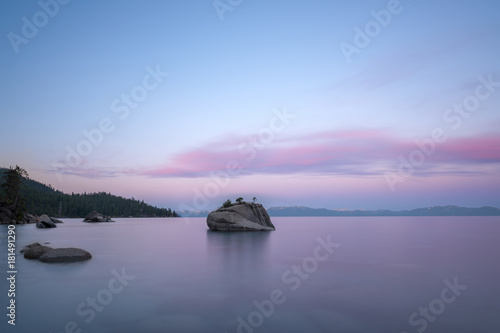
{"x":180,"y":277}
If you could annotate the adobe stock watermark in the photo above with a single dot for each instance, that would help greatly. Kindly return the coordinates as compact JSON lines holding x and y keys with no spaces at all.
{"x":292,"y":279}
{"x":371,"y":30}
{"x":453,"y":116}
{"x":223,"y":6}
{"x":248,"y":150}
{"x":420,"y":319}
{"x":31,"y":26}
{"x":91,"y":306}
{"x":122,"y":107}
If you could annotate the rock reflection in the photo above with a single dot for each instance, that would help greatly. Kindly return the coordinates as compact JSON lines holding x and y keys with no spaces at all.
{"x":237,"y":252}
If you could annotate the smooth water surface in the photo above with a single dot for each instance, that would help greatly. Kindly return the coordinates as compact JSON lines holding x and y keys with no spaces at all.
{"x":177,"y":276}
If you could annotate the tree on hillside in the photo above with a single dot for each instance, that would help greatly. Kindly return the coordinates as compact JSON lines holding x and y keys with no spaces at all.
{"x":239,"y":200}
{"x":12,"y":186}
{"x":38,"y":199}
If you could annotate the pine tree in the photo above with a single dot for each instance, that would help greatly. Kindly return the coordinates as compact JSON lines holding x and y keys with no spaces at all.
{"x":12,"y":186}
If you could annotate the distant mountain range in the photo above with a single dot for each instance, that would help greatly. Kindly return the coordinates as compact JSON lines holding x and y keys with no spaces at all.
{"x":430,"y":211}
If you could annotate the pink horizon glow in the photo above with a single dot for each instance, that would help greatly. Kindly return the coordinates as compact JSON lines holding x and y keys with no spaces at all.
{"x":329,"y":152}
{"x":346,"y":166}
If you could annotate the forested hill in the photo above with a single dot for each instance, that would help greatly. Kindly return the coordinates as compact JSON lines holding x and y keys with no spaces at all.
{"x":42,"y":199}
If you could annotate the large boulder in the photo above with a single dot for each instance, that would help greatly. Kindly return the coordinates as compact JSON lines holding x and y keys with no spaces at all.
{"x":45,"y":222}
{"x":69,"y":254}
{"x":240,"y":217}
{"x":95,"y":217}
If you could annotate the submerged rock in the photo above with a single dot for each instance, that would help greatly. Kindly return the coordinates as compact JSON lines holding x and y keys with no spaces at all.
{"x":69,"y":254}
{"x":95,"y":217}
{"x":240,"y":217}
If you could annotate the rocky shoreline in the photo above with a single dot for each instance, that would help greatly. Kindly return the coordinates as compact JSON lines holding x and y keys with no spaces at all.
{"x":7,"y":217}
{"x":45,"y":221}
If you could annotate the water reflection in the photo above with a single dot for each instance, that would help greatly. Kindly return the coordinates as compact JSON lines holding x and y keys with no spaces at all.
{"x":189,"y":279}
{"x":238,"y":252}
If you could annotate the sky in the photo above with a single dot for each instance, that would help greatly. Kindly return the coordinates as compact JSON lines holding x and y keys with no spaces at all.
{"x":329,"y":104}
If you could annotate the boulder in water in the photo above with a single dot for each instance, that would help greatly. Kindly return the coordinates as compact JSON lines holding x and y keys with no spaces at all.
{"x":240,"y":217}
{"x":48,"y":254}
{"x":45,"y":222}
{"x":95,"y":217}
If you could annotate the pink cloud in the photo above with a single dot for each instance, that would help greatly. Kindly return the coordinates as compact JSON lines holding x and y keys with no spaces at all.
{"x":478,"y":149}
{"x":352,"y":153}
{"x":357,"y":152}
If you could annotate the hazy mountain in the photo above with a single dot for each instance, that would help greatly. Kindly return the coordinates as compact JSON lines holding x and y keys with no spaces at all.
{"x":430,"y":211}
{"x":193,"y":213}
{"x":307,"y":211}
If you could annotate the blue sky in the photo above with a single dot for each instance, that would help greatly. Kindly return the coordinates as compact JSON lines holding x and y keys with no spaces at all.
{"x":353,"y":117}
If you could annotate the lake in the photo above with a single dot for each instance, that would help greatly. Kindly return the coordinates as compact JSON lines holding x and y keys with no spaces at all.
{"x":319,"y":274}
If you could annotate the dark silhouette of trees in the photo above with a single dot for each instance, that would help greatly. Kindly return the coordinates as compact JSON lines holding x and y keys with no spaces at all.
{"x":12,"y":185}
{"x":40,"y":199}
